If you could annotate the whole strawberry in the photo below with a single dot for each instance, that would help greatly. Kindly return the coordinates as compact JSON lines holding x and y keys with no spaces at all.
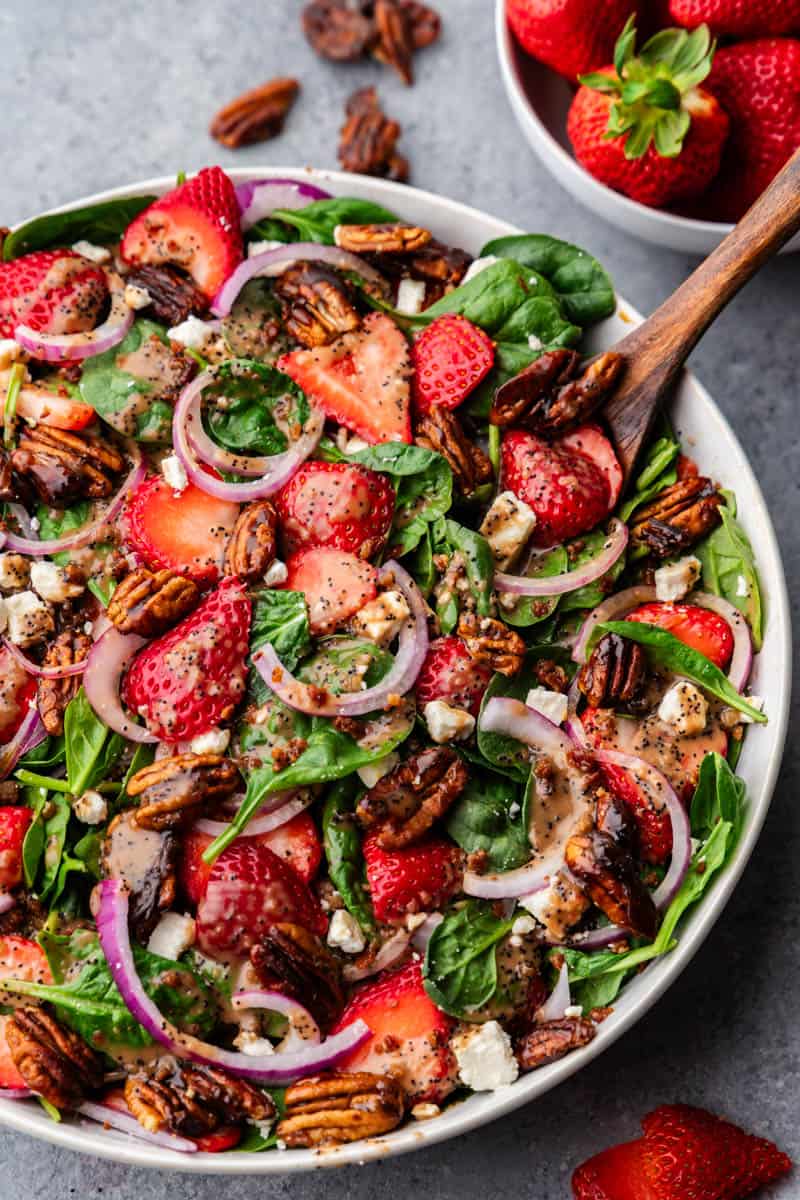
{"x":52,"y":291}
{"x":644,"y":127}
{"x":570,"y":36}
{"x":738,"y":18}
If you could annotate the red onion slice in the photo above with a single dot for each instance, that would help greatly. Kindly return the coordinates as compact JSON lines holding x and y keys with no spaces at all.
{"x":742,"y":658}
{"x":390,"y":953}
{"x":559,"y":999}
{"x":275,"y":262}
{"x":420,"y":937}
{"x":411,"y":651}
{"x":597,"y":939}
{"x":296,"y":1014}
{"x":33,"y":668}
{"x":104,"y":1114}
{"x":110,"y":904}
{"x":108,"y":658}
{"x":264,"y":824}
{"x":556,"y":585}
{"x":29,"y":735}
{"x":16,"y":1094}
{"x":56,"y":347}
{"x":260,"y":197}
{"x":615,"y":606}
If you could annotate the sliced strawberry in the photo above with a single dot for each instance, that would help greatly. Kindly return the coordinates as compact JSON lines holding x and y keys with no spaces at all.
{"x":449,"y":673}
{"x":571,"y":484}
{"x":221,"y":1139}
{"x":195,"y":227}
{"x":20,"y":958}
{"x":336,"y":504}
{"x":697,"y":627}
{"x":52,"y":291}
{"x":192,"y":678}
{"x":361,"y":380}
{"x":614,"y":1174}
{"x":14,"y":824}
{"x":423,"y":877}
{"x":250,"y":888}
{"x":336,"y":585}
{"x":653,"y":824}
{"x":9,"y":1075}
{"x":410,"y":1035}
{"x":36,"y":405}
{"x":186,"y":531}
{"x":296,"y":843}
{"x":17,"y":690}
{"x":450,"y":357}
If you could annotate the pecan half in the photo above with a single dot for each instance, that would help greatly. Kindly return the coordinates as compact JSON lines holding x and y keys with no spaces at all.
{"x":382,"y":239}
{"x":255,"y":116}
{"x":368,"y":139}
{"x":405,"y":803}
{"x":327,"y":1110}
{"x":193,"y":1101}
{"x":150,"y":602}
{"x":491,"y":642}
{"x":551,"y":1040}
{"x":53,"y":695}
{"x":174,"y":792}
{"x":440,"y":429}
{"x":395,"y":41}
{"x":425,"y":22}
{"x":551,"y":675}
{"x":678,"y":517}
{"x":549,"y":397}
{"x":251,"y":549}
{"x":299,"y":964}
{"x":55,"y":1062}
{"x":611,"y":880}
{"x":316,"y":304}
{"x":338,"y":31}
{"x":173,"y":296}
{"x":65,"y":466}
{"x":146,"y":861}
{"x":614,"y":673}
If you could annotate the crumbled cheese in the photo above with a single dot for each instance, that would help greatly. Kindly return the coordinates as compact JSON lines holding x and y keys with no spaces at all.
{"x":173,"y":471}
{"x":534,"y":342}
{"x":480,"y":264}
{"x":425,"y":1111}
{"x":50,"y":581}
{"x":685,"y":708}
{"x":514,"y":809}
{"x":573,"y":1010}
{"x":745,"y":718}
{"x":29,"y":618}
{"x":742,"y":587}
{"x":410,"y":296}
{"x":10,"y":352}
{"x":15,"y":571}
{"x":381,"y":619}
{"x":523,"y":925}
{"x":256,"y":248}
{"x":675,"y":579}
{"x":91,"y":808}
{"x":355,"y":445}
{"x":174,"y":934}
{"x":215,"y":741}
{"x":192,"y":332}
{"x":137,"y":297}
{"x":415,"y":920}
{"x":95,"y":254}
{"x":552,"y":705}
{"x":507,"y":526}
{"x":257,"y":1046}
{"x":344,"y":932}
{"x":370,"y":773}
{"x":277,"y":572}
{"x":485,"y":1058}
{"x":445,"y":723}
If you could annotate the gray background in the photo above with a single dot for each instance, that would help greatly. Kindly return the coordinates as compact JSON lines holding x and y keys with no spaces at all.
{"x":95,"y":94}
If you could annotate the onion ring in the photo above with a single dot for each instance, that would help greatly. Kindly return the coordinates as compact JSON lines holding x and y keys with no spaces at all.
{"x":56,"y":347}
{"x":263,"y":824}
{"x":570,"y":581}
{"x":29,"y":735}
{"x":107,"y":660}
{"x":260,"y":197}
{"x":275,"y":262}
{"x":33,"y":668}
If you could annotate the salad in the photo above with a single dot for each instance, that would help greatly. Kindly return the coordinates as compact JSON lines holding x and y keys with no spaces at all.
{"x":361,"y":735}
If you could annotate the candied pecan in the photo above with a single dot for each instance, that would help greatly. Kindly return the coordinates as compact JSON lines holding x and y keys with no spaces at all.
{"x":316,"y":304}
{"x":9,"y":793}
{"x":550,"y":675}
{"x":382,"y":239}
{"x":405,"y":803}
{"x":440,"y":264}
{"x":338,"y":31}
{"x":368,"y":139}
{"x":53,"y":695}
{"x":551,"y":1040}
{"x":550,"y":398}
{"x":174,"y":792}
{"x":150,"y":602}
{"x":395,"y":41}
{"x":615,"y":672}
{"x":327,"y":1110}
{"x":255,"y":116}
{"x":425,"y":22}
{"x":611,"y":880}
{"x":678,"y":517}
{"x":284,"y":756}
{"x":614,"y":817}
{"x":173,"y":295}
{"x":65,"y":466}
{"x":193,"y":1101}
{"x":55,"y":1062}
{"x":251,"y":549}
{"x":25,"y":919}
{"x":146,"y":860}
{"x":439,"y":429}
{"x":296,"y":962}
{"x":491,"y":642}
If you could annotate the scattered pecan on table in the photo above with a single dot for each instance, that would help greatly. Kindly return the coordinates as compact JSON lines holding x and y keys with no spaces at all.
{"x":193,"y":1101}
{"x":251,"y":549}
{"x":174,"y":792}
{"x":150,"y":602}
{"x":173,"y":296}
{"x":316,"y":304}
{"x":440,"y":429}
{"x":551,"y":397}
{"x":615,"y":672}
{"x":64,"y":467}
{"x":55,"y":1063}
{"x":390,"y":30}
{"x":491,"y":642}
{"x":678,"y":517}
{"x":147,"y":861}
{"x":327,"y":1110}
{"x":256,"y":115}
{"x":53,"y":695}
{"x":406,"y":802}
{"x":551,"y":1040}
{"x":609,"y":876}
{"x":368,"y":139}
{"x":298,"y":963}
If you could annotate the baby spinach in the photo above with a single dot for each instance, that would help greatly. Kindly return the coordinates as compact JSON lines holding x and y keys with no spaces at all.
{"x":729,"y":568}
{"x":55,"y":836}
{"x":451,"y":538}
{"x":460,"y":968}
{"x":530,"y":610}
{"x":116,"y":394}
{"x":592,"y":594}
{"x":48,"y":754}
{"x":249,"y":393}
{"x":54,"y":523}
{"x":657,"y":473}
{"x":582,"y":284}
{"x":481,"y":820}
{"x":317,"y":221}
{"x":280,"y":618}
{"x":34,"y":841}
{"x":91,"y":748}
{"x":104,"y":222}
{"x":343,"y":851}
{"x":720,"y":795}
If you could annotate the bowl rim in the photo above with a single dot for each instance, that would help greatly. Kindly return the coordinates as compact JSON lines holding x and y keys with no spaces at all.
{"x":480,"y":1108}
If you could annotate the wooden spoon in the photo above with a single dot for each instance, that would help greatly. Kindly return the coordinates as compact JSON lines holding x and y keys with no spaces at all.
{"x":656,"y":350}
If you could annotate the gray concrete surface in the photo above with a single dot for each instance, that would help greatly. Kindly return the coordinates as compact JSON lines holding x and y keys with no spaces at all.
{"x":94,"y":94}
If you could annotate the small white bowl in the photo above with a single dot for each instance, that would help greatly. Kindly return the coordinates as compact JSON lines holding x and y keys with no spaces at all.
{"x":540,"y":99}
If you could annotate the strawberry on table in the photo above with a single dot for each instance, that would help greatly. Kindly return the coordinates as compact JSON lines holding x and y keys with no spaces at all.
{"x":697,"y":627}
{"x":195,"y":227}
{"x":14,"y":824}
{"x":738,"y":18}
{"x":361,"y":380}
{"x":296,"y":843}
{"x":189,"y":680}
{"x":450,"y":673}
{"x":568,"y":35}
{"x":418,"y":879}
{"x":52,"y":291}
{"x":341,"y":505}
{"x":450,"y":358}
{"x":336,"y":585}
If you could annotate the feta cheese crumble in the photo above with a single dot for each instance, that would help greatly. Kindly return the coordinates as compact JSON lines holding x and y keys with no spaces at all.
{"x":552,"y":705}
{"x":344,"y":932}
{"x":173,"y":936}
{"x":381,"y":619}
{"x":685,"y":708}
{"x":215,"y":741}
{"x":277,"y":572}
{"x":192,"y":332}
{"x":507,"y":527}
{"x":137,"y":297}
{"x":410,"y":296}
{"x":256,"y":248}
{"x":674,"y":580}
{"x":445,"y":723}
{"x":480,"y":264}
{"x":95,"y":254}
{"x":91,"y":808}
{"x":51,"y":583}
{"x":485,"y":1058}
{"x":173,"y":471}
{"x":29,"y":618}
{"x":15,"y":572}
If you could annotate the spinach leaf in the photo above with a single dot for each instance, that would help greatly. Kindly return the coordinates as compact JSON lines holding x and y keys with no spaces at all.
{"x":582,"y":284}
{"x":34,"y":841}
{"x":657,"y":473}
{"x":104,"y":222}
{"x":593,"y":593}
{"x":317,"y":221}
{"x":530,"y":610}
{"x":54,"y":523}
{"x":89,"y":749}
{"x":667,"y":651}
{"x":48,"y":754}
{"x":280,"y":618}
{"x":481,"y":820}
{"x":119,"y":396}
{"x":143,"y":755}
{"x":55,"y":836}
{"x":460,"y":968}
{"x":253,"y":1140}
{"x":451,"y":538}
{"x":720,"y":795}
{"x":343,"y":851}
{"x":249,"y":393}
{"x":729,"y":568}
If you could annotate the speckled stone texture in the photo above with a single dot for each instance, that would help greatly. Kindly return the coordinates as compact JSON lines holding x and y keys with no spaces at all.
{"x":95,"y":94}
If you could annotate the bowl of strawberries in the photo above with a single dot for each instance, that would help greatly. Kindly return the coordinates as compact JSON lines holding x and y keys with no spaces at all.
{"x":668,"y":118}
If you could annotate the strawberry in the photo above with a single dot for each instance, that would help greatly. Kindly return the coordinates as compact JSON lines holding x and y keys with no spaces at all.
{"x":450,"y":673}
{"x":36,"y":405}
{"x":196,"y":227}
{"x":653,"y":824}
{"x":697,"y":627}
{"x":571,"y":484}
{"x":450,"y":357}
{"x":191,"y":678}
{"x":336,"y":585}
{"x":336,"y":504}
{"x":52,"y":291}
{"x":21,"y":958}
{"x":296,"y":843}
{"x":249,"y":890}
{"x":614,"y":1174}
{"x":568,"y":35}
{"x":361,"y":380}
{"x":424,"y":876}
{"x":410,"y":1035}
{"x":758,"y":84}
{"x":14,"y":824}
{"x":738,"y":18}
{"x":644,"y":127}
{"x":17,"y":691}
{"x":186,"y":531}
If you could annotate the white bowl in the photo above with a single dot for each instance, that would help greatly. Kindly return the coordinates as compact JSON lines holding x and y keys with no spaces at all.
{"x":540,"y":99}
{"x":714,"y":444}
